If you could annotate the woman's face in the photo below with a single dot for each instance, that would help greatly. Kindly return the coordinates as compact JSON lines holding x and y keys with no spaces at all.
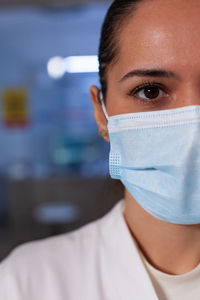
{"x":158,"y":64}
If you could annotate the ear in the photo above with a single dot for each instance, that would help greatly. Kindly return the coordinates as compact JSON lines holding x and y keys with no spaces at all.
{"x":98,"y":112}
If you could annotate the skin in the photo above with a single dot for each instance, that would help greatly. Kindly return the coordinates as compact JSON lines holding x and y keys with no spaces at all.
{"x":162,"y":35}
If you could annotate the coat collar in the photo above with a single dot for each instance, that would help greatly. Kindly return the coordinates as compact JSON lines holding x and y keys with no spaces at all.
{"x":126,"y":271}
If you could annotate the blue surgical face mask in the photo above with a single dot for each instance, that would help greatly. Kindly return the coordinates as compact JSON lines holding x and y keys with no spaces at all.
{"x":156,"y":155}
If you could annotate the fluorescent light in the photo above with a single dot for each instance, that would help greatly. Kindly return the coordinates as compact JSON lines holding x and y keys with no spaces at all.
{"x":57,"y":66}
{"x":81,"y":64}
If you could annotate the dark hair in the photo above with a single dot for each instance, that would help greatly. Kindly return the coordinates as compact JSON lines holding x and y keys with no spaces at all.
{"x":117,"y":14}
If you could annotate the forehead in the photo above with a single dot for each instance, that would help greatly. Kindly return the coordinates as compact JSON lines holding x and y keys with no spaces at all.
{"x":161,"y":32}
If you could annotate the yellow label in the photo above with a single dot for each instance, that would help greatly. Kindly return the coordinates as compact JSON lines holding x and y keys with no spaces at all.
{"x":15,"y":107}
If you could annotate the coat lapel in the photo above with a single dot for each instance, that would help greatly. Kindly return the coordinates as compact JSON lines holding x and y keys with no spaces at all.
{"x":125,"y":272}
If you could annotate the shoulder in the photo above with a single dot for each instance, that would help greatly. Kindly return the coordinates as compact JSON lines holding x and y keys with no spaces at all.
{"x":64,"y":243}
{"x":76,"y":249}
{"x":68,"y":265}
{"x":52,"y":250}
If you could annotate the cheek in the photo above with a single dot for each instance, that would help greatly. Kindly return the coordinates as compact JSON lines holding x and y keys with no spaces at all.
{"x":117,"y":102}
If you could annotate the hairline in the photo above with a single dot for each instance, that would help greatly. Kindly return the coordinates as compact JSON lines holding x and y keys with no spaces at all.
{"x":117,"y":32}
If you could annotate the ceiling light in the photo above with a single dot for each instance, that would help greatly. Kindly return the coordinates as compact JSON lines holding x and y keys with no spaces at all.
{"x":57,"y":66}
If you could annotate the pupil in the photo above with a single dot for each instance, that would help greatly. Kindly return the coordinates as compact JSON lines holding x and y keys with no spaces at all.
{"x":151,"y":92}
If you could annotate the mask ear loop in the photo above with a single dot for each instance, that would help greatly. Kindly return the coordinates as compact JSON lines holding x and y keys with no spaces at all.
{"x":103,"y":105}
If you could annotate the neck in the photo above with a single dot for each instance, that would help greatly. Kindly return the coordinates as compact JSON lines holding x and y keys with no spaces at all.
{"x":170,"y":248}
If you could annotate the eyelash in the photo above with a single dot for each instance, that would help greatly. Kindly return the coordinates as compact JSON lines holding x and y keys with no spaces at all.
{"x":144,"y":85}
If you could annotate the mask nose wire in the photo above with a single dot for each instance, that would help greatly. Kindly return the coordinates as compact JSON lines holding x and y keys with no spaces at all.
{"x":103,"y":105}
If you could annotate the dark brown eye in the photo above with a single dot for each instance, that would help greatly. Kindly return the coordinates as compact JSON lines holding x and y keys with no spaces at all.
{"x":150,"y":92}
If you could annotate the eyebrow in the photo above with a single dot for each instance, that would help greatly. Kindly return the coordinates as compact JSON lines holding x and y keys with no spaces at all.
{"x":150,"y":73}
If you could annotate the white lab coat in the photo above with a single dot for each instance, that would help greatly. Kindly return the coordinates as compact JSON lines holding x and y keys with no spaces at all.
{"x":100,"y":261}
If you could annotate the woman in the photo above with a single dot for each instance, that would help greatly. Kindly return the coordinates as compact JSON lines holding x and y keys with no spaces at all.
{"x":148,"y":245}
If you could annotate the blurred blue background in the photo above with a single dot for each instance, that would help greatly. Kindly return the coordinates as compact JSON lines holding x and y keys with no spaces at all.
{"x":60,"y":134}
{"x":53,"y":164}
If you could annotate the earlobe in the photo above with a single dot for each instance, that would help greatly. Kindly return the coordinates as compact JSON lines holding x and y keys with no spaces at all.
{"x":104,"y":134}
